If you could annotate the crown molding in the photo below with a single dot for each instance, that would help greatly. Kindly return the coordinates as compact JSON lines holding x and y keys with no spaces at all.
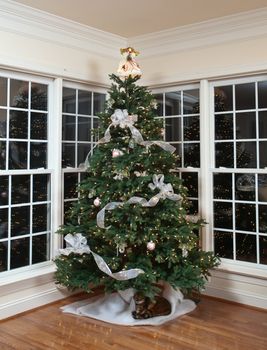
{"x":24,"y":20}
{"x":240,"y":26}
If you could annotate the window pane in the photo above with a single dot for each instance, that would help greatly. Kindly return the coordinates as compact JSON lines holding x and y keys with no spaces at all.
{"x":245,"y":217}
{"x":246,"y":247}
{"x":18,"y":155}
{"x":192,"y":155}
{"x":159,"y":101}
{"x":246,"y":125}
{"x":173,"y":103}
{"x":20,"y":189}
{"x":38,"y":126}
{"x":193,"y":208}
{"x":67,"y":209}
{"x":223,"y":98}
{"x":263,"y":154}
{"x":173,"y":129}
{"x":262,"y":94}
{"x":223,"y":244}
{"x":3,"y":91}
{"x":224,"y":154}
{"x":263,"y":250}
{"x":38,"y":155}
{"x":223,"y":215}
{"x":190,"y":180}
{"x":40,"y":218}
{"x":262,"y":187}
{"x":20,"y":221}
{"x":20,"y":249}
{"x":246,"y":155}
{"x":3,"y":223}
{"x":84,"y":129}
{"x":83,"y":150}
{"x":224,"y":127}
{"x":245,"y":96}
{"x":263,"y":124}
{"x":191,"y":128}
{"x":3,"y":256}
{"x":69,"y":100}
{"x":41,"y":188}
{"x":68,"y":155}
{"x":179,"y":153}
{"x":18,"y":126}
{"x":2,"y":123}
{"x":95,"y":129}
{"x":40,"y":248}
{"x":3,"y":190}
{"x":2,"y":154}
{"x":222,"y":186}
{"x":84,"y":102}
{"x":191,"y":101}
{"x":263,"y":218}
{"x":19,"y":94}
{"x":70,"y":185}
{"x":99,"y":102}
{"x":68,"y":127}
{"x":245,"y":187}
{"x":39,"y":96}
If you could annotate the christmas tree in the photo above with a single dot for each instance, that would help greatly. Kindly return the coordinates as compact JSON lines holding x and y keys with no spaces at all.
{"x":130,"y":227}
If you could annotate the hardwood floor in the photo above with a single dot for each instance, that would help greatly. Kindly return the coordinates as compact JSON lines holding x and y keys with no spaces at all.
{"x":214,"y":325}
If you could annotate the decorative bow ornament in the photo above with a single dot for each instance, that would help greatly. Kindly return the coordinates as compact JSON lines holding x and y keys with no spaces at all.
{"x":166,"y":191}
{"x":122,"y":119}
{"x":77,"y":244}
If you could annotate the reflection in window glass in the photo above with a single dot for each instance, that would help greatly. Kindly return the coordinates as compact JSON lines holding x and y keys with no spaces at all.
{"x":245,"y":96}
{"x":83,"y":150}
{"x":224,"y":127}
{"x":262,"y":187}
{"x":20,"y":189}
{"x":223,"y":215}
{"x":173,"y":103}
{"x":3,"y":256}
{"x":173,"y":129}
{"x":246,"y":156}
{"x":68,"y":127}
{"x":19,"y":93}
{"x":190,"y":180}
{"x":39,"y":96}
{"x":263,"y":250}
{"x":70,"y":185}
{"x":223,"y":244}
{"x":38,"y":126}
{"x":4,"y":190}
{"x":84,"y":129}
{"x":3,"y":223}
{"x":222,"y":186}
{"x":41,"y":188}
{"x":192,"y":155}
{"x":84,"y":102}
{"x":40,"y":221}
{"x":263,"y":218}
{"x":245,"y":187}
{"x":38,"y":154}
{"x":68,"y":155}
{"x":224,"y":154}
{"x":191,"y":128}
{"x":3,"y":91}
{"x":2,"y":154}
{"x":99,"y":103}
{"x":262,"y":94}
{"x":69,"y":100}
{"x":246,"y":125}
{"x":191,"y":101}
{"x":20,"y":221}
{"x":40,"y":248}
{"x":245,"y":217}
{"x":246,"y":247}
{"x":3,"y":123}
{"x":223,"y":98}
{"x":263,"y":154}
{"x":18,"y":126}
{"x":263,"y":124}
{"x":20,"y":252}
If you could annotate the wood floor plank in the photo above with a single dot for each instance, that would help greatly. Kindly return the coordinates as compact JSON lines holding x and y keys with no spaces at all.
{"x":213,"y":325}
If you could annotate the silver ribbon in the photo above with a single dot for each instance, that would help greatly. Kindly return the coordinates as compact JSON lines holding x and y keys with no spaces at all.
{"x":166,"y":191}
{"x":78,"y":244}
{"x":122,"y":119}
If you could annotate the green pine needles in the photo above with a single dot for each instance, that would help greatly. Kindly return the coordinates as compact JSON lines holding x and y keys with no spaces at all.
{"x":162,"y":240}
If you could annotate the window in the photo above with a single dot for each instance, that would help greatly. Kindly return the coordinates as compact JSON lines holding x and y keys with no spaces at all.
{"x":25,"y":177}
{"x":179,"y":109}
{"x":239,"y":175}
{"x":80,"y":107}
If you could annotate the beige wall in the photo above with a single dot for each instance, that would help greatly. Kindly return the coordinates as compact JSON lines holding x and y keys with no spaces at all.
{"x":39,"y":56}
{"x":238,"y":57}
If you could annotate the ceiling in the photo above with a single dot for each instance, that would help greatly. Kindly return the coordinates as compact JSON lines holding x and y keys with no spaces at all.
{"x":129,"y":18}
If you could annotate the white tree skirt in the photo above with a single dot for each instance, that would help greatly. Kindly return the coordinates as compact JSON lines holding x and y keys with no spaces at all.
{"x":117,"y":308}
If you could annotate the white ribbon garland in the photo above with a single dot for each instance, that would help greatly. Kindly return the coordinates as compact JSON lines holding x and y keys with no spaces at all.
{"x":78,"y":244}
{"x":166,"y":191}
